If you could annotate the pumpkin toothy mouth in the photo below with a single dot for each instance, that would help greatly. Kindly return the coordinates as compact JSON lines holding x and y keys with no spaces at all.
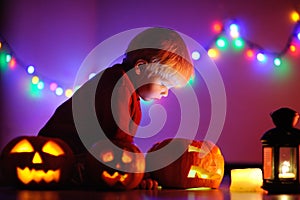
{"x":199,"y":172}
{"x":113,"y":179}
{"x":27,"y":175}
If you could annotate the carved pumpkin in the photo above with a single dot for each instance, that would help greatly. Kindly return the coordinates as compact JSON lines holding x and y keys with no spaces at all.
{"x":36,"y":161}
{"x":118,"y":167}
{"x":201,"y":165}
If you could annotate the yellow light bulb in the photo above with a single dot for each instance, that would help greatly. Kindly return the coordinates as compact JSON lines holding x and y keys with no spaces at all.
{"x":292,"y":48}
{"x":213,"y":53}
{"x":295,"y":16}
{"x":35,"y":80}
{"x":68,"y":93}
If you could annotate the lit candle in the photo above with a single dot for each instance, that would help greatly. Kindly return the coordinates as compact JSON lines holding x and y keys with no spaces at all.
{"x":246,"y":180}
{"x":285,"y":170}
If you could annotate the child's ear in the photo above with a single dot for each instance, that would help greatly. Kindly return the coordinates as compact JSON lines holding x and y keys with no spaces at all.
{"x":138,"y":64}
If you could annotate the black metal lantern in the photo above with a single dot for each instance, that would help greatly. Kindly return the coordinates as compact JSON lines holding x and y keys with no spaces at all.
{"x":281,"y":165}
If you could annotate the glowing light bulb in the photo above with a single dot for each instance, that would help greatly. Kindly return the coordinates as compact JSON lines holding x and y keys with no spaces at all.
{"x":12,"y":63}
{"x":40,"y":85}
{"x":292,"y":48}
{"x":59,"y":91}
{"x":249,"y":53}
{"x":234,"y":30}
{"x":233,"y":27}
{"x":92,"y":75}
{"x":0,"y":45}
{"x":77,"y":87}
{"x":213,"y":53}
{"x":277,"y":62}
{"x":191,"y":81}
{"x":234,"y":34}
{"x":30,"y":69}
{"x":217,"y":27}
{"x":261,"y":57}
{"x":53,"y":86}
{"x":35,"y":80}
{"x":8,"y":57}
{"x":298,"y":36}
{"x":195,"y":55}
{"x":238,"y":43}
{"x":221,"y":42}
{"x":68,"y":93}
{"x":295,"y":16}
{"x":3,"y":63}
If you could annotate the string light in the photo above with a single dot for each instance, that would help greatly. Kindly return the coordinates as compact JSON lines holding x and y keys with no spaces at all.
{"x":222,"y":43}
{"x":217,"y":27}
{"x":68,"y":93}
{"x":213,"y":53}
{"x":250,"y":53}
{"x":261,"y":57}
{"x":30,"y":69}
{"x":12,"y":63}
{"x":295,"y":16}
{"x":238,"y":43}
{"x":91,"y":75}
{"x":8,"y":58}
{"x":35,"y":80}
{"x":234,"y":37}
{"x":224,"y":37}
{"x":53,"y":86}
{"x":292,"y":48}
{"x":195,"y":55}
{"x":9,"y":61}
{"x":59,"y":91}
{"x":277,"y":62}
{"x":40,"y":85}
{"x":234,"y":30}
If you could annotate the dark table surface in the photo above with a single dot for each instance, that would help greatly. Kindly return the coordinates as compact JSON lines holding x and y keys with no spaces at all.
{"x":8,"y":193}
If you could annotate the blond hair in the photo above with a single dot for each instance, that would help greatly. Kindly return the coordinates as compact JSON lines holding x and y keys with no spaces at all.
{"x":165,"y":49}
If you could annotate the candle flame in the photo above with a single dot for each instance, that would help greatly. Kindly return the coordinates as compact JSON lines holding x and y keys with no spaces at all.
{"x":285,"y":167}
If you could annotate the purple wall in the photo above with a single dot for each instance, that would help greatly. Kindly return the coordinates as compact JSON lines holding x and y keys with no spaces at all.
{"x":57,"y":35}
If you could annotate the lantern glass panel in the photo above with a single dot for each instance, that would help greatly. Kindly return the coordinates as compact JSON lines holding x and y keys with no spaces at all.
{"x":287,"y":163}
{"x":268,"y":165}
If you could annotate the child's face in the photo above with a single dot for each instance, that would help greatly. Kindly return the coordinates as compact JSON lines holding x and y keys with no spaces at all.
{"x":154,"y":89}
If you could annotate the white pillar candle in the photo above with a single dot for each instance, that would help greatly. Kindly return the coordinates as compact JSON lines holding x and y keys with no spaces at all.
{"x":246,"y":180}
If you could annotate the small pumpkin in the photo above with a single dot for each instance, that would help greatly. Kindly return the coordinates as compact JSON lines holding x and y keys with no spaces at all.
{"x":37,"y":161}
{"x":117,"y":165}
{"x":200,"y":165}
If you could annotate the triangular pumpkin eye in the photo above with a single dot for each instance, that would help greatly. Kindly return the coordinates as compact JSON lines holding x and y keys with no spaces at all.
{"x":53,"y":149}
{"x":22,"y":146}
{"x":126,"y":157}
{"x":194,"y":149}
{"x":107,"y":157}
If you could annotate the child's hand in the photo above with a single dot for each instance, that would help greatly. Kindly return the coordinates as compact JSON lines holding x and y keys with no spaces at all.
{"x":148,"y":184}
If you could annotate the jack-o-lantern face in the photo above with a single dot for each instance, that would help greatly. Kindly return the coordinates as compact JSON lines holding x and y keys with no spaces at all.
{"x":37,"y":161}
{"x":109,"y":166}
{"x":201,"y":165}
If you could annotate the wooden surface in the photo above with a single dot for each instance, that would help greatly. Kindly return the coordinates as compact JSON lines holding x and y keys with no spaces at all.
{"x":223,"y":192}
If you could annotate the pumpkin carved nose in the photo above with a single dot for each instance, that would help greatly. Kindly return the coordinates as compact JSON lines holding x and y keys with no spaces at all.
{"x":37,"y":158}
{"x":118,"y":166}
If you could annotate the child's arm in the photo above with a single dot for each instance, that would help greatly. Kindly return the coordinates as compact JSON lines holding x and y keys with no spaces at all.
{"x":126,"y":112}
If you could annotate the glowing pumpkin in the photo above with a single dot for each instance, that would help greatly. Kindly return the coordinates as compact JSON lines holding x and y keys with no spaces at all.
{"x":201,"y":165}
{"x":118,"y":167}
{"x":36,"y":161}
